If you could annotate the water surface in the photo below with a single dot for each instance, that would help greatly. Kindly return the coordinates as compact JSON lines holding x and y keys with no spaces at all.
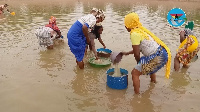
{"x":35,"y":79}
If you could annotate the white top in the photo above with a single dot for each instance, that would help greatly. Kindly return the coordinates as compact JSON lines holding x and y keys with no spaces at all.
{"x":45,"y":32}
{"x":148,"y":47}
{"x":90,"y":19}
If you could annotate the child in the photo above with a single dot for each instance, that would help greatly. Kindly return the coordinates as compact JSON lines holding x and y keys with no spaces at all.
{"x":156,"y":53}
{"x":96,"y":34}
{"x":2,"y":7}
{"x":49,"y":33}
{"x":188,"y":48}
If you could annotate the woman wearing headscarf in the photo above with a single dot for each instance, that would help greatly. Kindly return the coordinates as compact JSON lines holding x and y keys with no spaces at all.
{"x":188,"y":48}
{"x":78,"y":36}
{"x":49,"y":33}
{"x":2,"y":7}
{"x":156,"y":53}
{"x":96,"y":32}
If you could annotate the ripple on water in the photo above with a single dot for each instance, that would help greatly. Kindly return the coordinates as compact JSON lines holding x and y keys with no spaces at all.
{"x":23,"y":59}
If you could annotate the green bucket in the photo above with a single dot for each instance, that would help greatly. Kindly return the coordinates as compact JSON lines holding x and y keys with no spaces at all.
{"x":108,"y":62}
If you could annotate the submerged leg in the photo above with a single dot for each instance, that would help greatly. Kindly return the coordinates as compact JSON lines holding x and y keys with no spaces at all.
{"x":80,"y":64}
{"x":153,"y":78}
{"x":176,"y":64}
{"x":136,"y":81}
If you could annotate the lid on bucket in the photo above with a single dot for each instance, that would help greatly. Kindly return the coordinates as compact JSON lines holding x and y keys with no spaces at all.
{"x":104,"y":50}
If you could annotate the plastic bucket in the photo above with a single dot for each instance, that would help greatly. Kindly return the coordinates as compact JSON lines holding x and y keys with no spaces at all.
{"x":117,"y":82}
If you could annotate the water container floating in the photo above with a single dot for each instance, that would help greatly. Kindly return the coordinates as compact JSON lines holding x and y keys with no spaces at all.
{"x":117,"y":82}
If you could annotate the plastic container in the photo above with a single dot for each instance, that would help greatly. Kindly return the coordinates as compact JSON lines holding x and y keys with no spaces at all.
{"x":117,"y":82}
{"x":91,"y":61}
{"x":101,"y":52}
{"x":116,"y":57}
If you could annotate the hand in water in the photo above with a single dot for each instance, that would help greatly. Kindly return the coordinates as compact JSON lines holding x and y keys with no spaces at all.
{"x":96,"y":57}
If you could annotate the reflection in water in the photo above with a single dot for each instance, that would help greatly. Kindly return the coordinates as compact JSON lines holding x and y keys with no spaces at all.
{"x":122,"y":9}
{"x":87,"y":80}
{"x":51,"y":60}
{"x":87,"y":90}
{"x":180,"y":81}
{"x":143,"y":102}
{"x":86,"y":87}
{"x":116,"y":98}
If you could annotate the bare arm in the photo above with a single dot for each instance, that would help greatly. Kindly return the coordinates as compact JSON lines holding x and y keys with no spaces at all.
{"x":85,"y":32}
{"x":102,"y":43}
{"x":182,"y":36}
{"x":58,"y":33}
{"x":127,"y":53}
{"x":136,"y":52}
{"x":93,"y":47}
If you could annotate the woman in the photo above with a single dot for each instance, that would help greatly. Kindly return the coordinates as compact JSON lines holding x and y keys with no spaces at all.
{"x":156,"y":53}
{"x":188,"y":48}
{"x":48,"y":33}
{"x":96,"y":34}
{"x":2,"y":7}
{"x":78,"y":36}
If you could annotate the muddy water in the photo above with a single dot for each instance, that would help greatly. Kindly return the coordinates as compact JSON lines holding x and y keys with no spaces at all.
{"x":35,"y":79}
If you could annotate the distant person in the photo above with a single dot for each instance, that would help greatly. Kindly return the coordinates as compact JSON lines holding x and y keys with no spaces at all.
{"x":3,"y":7}
{"x":78,"y":35}
{"x":188,"y":48}
{"x":156,"y":53}
{"x":49,"y":33}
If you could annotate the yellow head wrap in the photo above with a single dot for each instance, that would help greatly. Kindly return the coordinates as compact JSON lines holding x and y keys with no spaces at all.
{"x":132,"y":22}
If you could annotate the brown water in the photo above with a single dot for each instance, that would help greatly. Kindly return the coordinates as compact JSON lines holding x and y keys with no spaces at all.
{"x":33,"y":79}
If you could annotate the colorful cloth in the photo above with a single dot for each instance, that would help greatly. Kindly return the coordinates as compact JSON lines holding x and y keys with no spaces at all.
{"x":44,"y":35}
{"x":188,"y":49}
{"x":151,"y":64}
{"x":77,"y":40}
{"x":132,"y":22}
{"x":52,"y":24}
{"x":101,"y":14}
